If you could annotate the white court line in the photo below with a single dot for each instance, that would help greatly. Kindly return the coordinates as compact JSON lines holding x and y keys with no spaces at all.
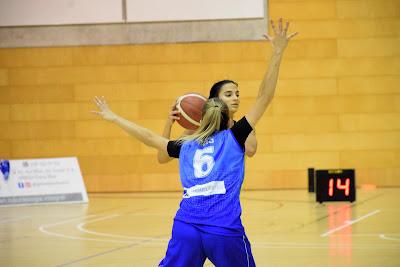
{"x":319,"y":245}
{"x":81,"y":228}
{"x":42,"y":229}
{"x":261,"y":245}
{"x":383,"y":236}
{"x":151,"y":241}
{"x":310,"y":246}
{"x":348,"y":223}
{"x":66,"y":221}
{"x":102,"y":218}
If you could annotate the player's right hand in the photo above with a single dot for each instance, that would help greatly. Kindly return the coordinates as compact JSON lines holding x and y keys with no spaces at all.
{"x":105,"y":112}
{"x":173,"y":114}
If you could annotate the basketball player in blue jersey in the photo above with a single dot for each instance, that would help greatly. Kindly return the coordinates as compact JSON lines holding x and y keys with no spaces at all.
{"x":211,"y":161}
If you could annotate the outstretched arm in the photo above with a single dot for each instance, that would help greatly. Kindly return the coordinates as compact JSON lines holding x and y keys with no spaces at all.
{"x":267,"y":88}
{"x":144,"y":135}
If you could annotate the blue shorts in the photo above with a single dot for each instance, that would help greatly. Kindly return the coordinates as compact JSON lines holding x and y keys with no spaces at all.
{"x":189,"y":247}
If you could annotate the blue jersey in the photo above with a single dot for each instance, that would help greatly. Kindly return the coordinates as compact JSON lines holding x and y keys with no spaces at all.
{"x":212,"y":176}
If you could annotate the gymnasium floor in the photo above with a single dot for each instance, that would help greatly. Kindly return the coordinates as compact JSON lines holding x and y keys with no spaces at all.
{"x":286,"y":228}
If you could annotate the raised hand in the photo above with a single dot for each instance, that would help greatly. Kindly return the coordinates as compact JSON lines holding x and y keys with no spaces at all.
{"x":280,"y":39}
{"x":105,"y":112}
{"x":173,"y":114}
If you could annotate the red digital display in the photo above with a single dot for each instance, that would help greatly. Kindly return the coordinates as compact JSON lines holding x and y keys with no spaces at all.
{"x":335,"y":185}
{"x":339,"y":186}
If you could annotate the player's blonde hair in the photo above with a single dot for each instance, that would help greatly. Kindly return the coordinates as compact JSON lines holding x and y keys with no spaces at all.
{"x":215,"y":118}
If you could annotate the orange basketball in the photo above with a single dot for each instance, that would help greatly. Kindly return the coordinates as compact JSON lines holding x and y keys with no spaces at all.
{"x":190,"y":107}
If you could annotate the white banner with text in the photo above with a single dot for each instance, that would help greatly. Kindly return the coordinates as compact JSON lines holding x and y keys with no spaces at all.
{"x":40,"y":181}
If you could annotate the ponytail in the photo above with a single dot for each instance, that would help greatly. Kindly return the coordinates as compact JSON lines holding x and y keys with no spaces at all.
{"x":215,"y":118}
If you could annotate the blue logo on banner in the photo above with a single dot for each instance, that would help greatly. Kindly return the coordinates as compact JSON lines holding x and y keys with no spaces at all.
{"x":5,"y":168}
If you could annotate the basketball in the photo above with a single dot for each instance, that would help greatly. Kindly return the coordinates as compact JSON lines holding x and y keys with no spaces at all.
{"x":190,"y":107}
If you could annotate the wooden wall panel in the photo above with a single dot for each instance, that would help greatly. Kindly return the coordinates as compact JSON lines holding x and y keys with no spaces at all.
{"x":3,"y":77}
{"x":4,"y":112}
{"x":337,"y":103}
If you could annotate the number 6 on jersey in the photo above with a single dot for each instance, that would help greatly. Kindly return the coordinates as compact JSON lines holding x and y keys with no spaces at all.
{"x":202,"y":159}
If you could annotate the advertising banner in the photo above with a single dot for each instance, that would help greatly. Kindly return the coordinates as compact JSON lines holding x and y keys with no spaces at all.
{"x":40,"y":181}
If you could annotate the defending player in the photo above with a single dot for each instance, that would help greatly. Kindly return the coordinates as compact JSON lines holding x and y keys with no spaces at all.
{"x":228,"y":92}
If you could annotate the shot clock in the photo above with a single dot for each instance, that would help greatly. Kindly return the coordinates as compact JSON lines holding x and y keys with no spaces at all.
{"x":335,"y":185}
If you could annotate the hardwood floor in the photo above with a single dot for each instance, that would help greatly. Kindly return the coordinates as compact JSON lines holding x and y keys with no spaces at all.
{"x":285,"y":227}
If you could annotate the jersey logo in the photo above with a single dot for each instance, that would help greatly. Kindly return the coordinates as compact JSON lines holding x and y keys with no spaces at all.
{"x":208,"y":189}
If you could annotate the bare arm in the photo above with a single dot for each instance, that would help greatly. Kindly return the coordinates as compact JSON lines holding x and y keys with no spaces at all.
{"x":267,"y":88}
{"x":251,"y":144}
{"x":144,"y":135}
{"x":163,"y":157}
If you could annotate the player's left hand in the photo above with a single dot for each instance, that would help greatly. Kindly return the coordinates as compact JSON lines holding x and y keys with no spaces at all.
{"x":280,"y":39}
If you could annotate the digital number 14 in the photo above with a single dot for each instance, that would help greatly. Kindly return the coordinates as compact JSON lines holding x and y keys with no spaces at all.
{"x":339,"y":186}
